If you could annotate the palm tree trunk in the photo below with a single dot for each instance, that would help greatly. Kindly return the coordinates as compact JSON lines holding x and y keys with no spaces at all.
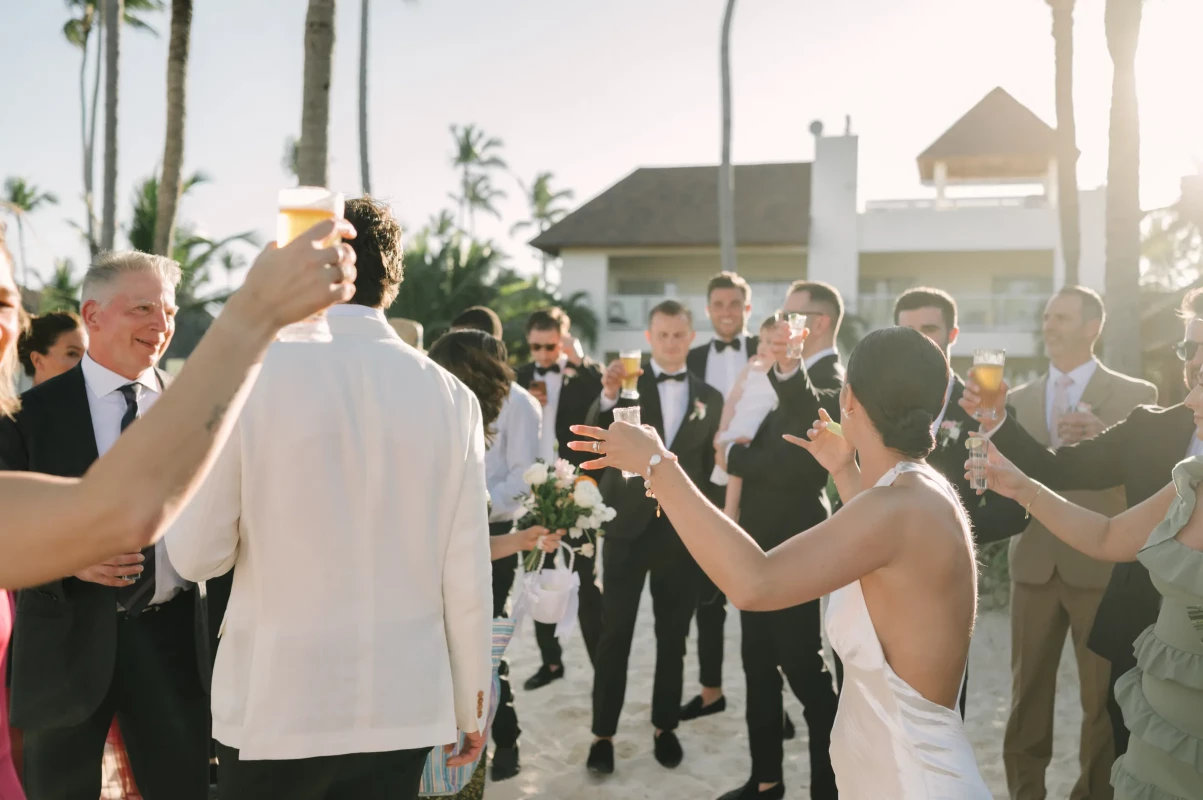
{"x":312,"y":159}
{"x":21,"y":247}
{"x":726,"y":174}
{"x":364,"y":173}
{"x":1067,"y":148}
{"x":173,"y":148}
{"x":83,"y":134}
{"x":114,"y":12}
{"x":1123,"y":342}
{"x":90,"y":151}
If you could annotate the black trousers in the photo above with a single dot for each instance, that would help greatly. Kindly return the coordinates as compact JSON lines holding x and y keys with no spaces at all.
{"x":658,"y":553}
{"x":395,"y":775}
{"x":787,"y":641}
{"x":712,"y":618}
{"x":505,"y":723}
{"x":1118,"y":727}
{"x":588,"y":615}
{"x":159,"y":702}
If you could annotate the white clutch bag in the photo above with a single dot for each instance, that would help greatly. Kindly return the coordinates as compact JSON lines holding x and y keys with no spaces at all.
{"x":551,"y":595}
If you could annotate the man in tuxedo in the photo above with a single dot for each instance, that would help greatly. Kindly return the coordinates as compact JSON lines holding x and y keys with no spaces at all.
{"x":718,"y":362}
{"x":784,"y":493}
{"x":641,"y":543}
{"x":119,"y":638}
{"x":514,"y":448}
{"x":566,"y":384}
{"x":933,"y":313}
{"x":1136,"y":453}
{"x":351,"y":499}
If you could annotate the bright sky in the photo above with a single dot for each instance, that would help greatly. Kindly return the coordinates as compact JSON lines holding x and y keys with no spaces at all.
{"x":587,"y":90}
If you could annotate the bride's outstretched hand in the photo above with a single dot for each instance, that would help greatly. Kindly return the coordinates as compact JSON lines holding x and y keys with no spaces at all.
{"x":623,"y":446}
{"x":829,"y":448}
{"x":1002,"y":476}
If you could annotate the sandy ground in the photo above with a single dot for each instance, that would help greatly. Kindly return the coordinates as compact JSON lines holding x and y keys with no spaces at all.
{"x":555,"y":723}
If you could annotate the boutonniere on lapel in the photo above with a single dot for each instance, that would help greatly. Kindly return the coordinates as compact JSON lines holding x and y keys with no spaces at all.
{"x":569,"y":374}
{"x":948,"y":432}
{"x":699,"y":411}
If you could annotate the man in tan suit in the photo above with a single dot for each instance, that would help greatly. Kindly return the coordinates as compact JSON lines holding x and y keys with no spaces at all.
{"x":1054,"y":587}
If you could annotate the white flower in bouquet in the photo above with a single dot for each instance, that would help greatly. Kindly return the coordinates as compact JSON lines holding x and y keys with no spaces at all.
{"x":535,"y":475}
{"x":575,"y":533}
{"x":586,"y":495}
{"x":608,"y":514}
{"x":565,"y":472}
{"x":587,"y":549}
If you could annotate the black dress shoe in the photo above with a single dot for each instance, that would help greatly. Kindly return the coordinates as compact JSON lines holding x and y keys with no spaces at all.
{"x":505,"y":763}
{"x":668,"y":750}
{"x":787,"y":728}
{"x":696,"y":709}
{"x":751,"y":791}
{"x":601,"y":757}
{"x":544,"y":676}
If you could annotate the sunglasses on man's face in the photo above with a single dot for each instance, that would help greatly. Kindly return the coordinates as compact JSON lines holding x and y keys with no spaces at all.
{"x":1186,"y":350}
{"x":548,"y":347}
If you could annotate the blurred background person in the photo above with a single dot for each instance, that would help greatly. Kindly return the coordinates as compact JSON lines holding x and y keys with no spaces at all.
{"x":53,"y":344}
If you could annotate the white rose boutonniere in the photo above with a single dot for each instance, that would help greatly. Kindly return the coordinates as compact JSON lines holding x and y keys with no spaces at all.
{"x":699,"y":411}
{"x":949,"y":431}
{"x":569,"y":373}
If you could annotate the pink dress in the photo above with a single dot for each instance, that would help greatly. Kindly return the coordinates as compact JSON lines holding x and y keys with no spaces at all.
{"x":10,"y":787}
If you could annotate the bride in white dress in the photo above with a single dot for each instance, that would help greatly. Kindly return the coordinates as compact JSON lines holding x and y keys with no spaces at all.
{"x":898,"y":561}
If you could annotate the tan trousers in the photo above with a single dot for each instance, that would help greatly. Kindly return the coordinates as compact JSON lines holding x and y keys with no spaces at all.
{"x":1040,"y":617}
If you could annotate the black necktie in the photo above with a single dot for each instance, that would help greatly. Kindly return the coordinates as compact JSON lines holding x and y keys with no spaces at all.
{"x":720,"y":345}
{"x":137,"y":595}
{"x":664,"y":376}
{"x":545,"y":370}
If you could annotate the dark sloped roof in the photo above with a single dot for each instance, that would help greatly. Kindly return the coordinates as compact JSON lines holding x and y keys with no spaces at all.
{"x":997,"y":138}
{"x":678,"y":206}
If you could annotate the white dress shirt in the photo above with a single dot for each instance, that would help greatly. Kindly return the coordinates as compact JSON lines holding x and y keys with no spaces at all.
{"x":722,"y":369}
{"x":1080,"y":376}
{"x":674,"y":397}
{"x":350,"y":499}
{"x":107,"y":404}
{"x":517,"y":433}
{"x":554,"y":382}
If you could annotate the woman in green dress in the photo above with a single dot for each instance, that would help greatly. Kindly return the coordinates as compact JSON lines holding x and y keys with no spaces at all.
{"x":1162,"y":697}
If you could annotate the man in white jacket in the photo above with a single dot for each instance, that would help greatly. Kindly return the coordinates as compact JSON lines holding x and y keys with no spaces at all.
{"x":351,"y":502}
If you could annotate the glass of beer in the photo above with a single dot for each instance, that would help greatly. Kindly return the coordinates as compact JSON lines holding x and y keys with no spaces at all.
{"x":300,"y":209}
{"x":988,"y":375}
{"x":631,"y":360}
{"x":629,"y":415}
{"x":797,"y":324}
{"x":978,"y":450}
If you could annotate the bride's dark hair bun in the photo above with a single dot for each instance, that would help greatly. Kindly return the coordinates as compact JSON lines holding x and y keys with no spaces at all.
{"x":900,"y":377}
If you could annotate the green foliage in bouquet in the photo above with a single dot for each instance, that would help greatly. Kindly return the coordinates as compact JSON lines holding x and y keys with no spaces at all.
{"x":561,"y":498}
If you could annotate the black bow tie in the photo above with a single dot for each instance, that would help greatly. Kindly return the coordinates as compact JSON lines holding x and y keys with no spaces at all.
{"x":720,"y":345}
{"x":664,"y":376}
{"x":545,"y":370}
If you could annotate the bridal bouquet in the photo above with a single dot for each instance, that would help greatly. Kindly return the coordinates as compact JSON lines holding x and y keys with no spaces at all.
{"x":561,"y":498}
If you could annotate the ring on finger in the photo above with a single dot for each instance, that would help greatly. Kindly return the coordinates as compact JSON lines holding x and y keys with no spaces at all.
{"x":597,"y":447}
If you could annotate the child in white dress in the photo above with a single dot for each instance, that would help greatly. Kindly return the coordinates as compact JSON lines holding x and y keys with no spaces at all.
{"x":750,"y":401}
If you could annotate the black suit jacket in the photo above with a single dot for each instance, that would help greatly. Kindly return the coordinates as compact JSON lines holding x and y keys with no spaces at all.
{"x":993,"y":517}
{"x":699,"y":356}
{"x":577,"y":395}
{"x":693,"y":447}
{"x":65,"y":636}
{"x":1138,"y":454}
{"x":784,"y":487}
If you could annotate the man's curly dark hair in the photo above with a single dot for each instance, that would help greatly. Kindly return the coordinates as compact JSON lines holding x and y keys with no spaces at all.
{"x":378,"y":252}
{"x":479,"y":360}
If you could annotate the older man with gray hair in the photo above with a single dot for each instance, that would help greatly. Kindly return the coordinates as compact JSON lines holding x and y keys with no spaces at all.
{"x":119,"y":637}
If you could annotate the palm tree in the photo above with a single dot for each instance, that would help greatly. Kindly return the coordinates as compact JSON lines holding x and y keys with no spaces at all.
{"x":21,"y":199}
{"x":726,"y":174}
{"x":312,"y":158}
{"x":543,"y":210}
{"x":62,"y":291}
{"x":1172,"y":240}
{"x":1067,"y":147}
{"x":479,"y":195}
{"x":365,"y":177}
{"x":1123,"y":344}
{"x":78,"y":31}
{"x":114,"y":10}
{"x":475,"y":156}
{"x":292,"y":151}
{"x":173,"y":148}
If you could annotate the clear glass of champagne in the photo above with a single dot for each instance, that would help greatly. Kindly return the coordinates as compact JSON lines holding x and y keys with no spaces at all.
{"x":797,"y":324}
{"x":978,"y":449}
{"x":631,"y":416}
{"x":300,"y":209}
{"x":631,"y":360}
{"x":988,"y":375}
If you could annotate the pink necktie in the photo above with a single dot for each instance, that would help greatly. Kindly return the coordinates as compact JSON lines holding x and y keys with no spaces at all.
{"x":1060,"y":407}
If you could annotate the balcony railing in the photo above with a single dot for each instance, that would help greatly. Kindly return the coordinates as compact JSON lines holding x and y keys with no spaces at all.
{"x":1015,"y":313}
{"x":931,"y":203}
